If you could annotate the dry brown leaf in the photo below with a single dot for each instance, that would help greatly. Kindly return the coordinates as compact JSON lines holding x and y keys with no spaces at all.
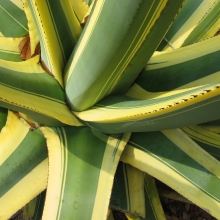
{"x":24,"y":47}
{"x":44,"y":67}
{"x":83,"y":23}
{"x":37,"y":50}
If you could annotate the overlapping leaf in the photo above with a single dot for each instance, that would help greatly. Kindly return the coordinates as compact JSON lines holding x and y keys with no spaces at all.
{"x":81,"y":172}
{"x":155,"y":154}
{"x":166,"y":95}
{"x":189,"y":22}
{"x":34,"y":92}
{"x":23,"y":165}
{"x":133,"y":32}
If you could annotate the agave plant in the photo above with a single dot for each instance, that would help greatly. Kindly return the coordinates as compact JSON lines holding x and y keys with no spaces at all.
{"x":100,"y":97}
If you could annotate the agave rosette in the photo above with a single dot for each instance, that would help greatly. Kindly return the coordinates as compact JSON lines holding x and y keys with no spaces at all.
{"x":91,"y":112}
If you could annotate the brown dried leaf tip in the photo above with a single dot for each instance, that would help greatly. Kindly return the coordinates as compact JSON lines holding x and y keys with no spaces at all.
{"x":37,"y":50}
{"x":44,"y":67}
{"x":31,"y":124}
{"x":25,"y":48}
{"x":85,"y":19}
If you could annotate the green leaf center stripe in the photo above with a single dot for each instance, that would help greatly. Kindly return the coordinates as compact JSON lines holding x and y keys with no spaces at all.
{"x":132,"y":49}
{"x":14,"y":18}
{"x":126,"y":186}
{"x":150,"y":102}
{"x":64,"y":162}
{"x":34,"y":94}
{"x":173,"y":168}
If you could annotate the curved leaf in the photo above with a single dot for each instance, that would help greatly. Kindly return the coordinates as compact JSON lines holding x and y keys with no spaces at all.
{"x":207,"y":28}
{"x":58,"y":30}
{"x":139,"y":110}
{"x":33,"y":34}
{"x":128,"y":190}
{"x":9,"y":49}
{"x":154,"y":210}
{"x":81,"y":172}
{"x":187,"y":145}
{"x":24,"y":165}
{"x":208,"y":140}
{"x":133,"y":32}
{"x":186,"y":21}
{"x":34,"y":92}
{"x":185,"y":67}
{"x":153,"y":153}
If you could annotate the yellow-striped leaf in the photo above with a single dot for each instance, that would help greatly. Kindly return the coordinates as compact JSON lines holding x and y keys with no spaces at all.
{"x":155,"y":154}
{"x":133,"y":32}
{"x":82,"y":167}
{"x":128,"y":190}
{"x":58,"y":30}
{"x":154,"y":210}
{"x":23,"y":165}
{"x":186,"y":144}
{"x":34,"y":92}
{"x":186,"y":21}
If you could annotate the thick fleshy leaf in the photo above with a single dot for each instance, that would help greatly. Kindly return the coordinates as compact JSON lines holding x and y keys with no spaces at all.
{"x":194,"y":65}
{"x":154,"y":210}
{"x":207,"y":28}
{"x":23,"y":165}
{"x":58,"y":30}
{"x":208,"y":140}
{"x":32,"y":29}
{"x":128,"y":190}
{"x":155,"y":154}
{"x":13,"y":20}
{"x":82,"y":167}
{"x":133,"y":32}
{"x":186,"y":144}
{"x":9,"y":49}
{"x":34,"y":92}
{"x":139,"y":110}
{"x":190,"y":98}
{"x":186,"y":21}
